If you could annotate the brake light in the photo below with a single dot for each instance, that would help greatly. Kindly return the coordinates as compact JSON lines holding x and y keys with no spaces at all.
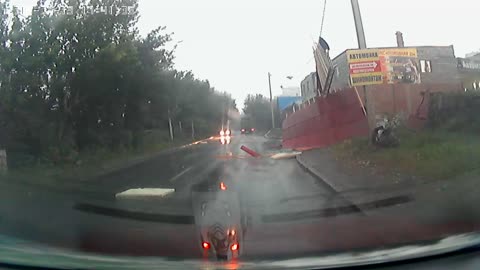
{"x":243,"y":130}
{"x":253,"y":129}
{"x":206,"y":245}
{"x":232,"y":232}
{"x":234,"y":247}
{"x":223,"y":186}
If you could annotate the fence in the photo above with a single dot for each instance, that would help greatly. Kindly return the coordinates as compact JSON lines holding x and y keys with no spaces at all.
{"x":339,"y":116}
{"x":325,"y":121}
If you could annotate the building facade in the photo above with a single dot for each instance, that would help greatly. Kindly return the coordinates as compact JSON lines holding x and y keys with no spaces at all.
{"x":436,"y":64}
{"x":292,"y":91}
{"x":469,"y":70}
{"x":309,"y":87}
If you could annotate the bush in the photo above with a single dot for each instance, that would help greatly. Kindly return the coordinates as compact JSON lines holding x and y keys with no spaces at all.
{"x":455,"y":112}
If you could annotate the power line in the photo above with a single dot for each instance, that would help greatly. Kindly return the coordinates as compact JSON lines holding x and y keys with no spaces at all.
{"x":323,"y":16}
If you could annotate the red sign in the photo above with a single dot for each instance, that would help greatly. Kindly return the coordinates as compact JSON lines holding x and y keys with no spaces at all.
{"x":365,"y":67}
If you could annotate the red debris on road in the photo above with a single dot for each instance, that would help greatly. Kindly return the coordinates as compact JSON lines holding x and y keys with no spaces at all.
{"x":250,"y":151}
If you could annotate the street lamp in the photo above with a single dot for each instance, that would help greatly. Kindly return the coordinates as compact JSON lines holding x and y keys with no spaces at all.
{"x":271,"y":98}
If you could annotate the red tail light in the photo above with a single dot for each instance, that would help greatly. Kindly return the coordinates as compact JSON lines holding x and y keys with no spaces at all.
{"x":223,"y":186}
{"x":253,"y":129}
{"x":234,"y":247}
{"x":206,"y":245}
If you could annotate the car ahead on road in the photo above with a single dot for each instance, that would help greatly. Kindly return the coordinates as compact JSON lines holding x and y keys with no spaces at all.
{"x":225,"y":132}
{"x":248,"y":130}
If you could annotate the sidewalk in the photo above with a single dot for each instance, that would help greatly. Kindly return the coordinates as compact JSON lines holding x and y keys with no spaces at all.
{"x":343,"y":177}
{"x":442,"y":200}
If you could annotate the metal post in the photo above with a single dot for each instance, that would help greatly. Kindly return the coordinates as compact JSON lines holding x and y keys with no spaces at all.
{"x":171,"y":128}
{"x":357,"y":16}
{"x":170,"y":125}
{"x":271,"y":100}
{"x":193,"y":131}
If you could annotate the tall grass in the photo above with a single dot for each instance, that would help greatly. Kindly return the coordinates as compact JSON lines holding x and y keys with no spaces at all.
{"x":430,"y":154}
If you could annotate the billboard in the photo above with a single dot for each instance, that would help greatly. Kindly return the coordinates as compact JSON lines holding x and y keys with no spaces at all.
{"x":379,"y":66}
{"x":284,"y":102}
{"x":324,"y":66}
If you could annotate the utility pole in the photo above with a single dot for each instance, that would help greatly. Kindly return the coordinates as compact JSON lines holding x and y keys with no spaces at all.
{"x":362,"y":44}
{"x":357,"y":16}
{"x":271,"y":100}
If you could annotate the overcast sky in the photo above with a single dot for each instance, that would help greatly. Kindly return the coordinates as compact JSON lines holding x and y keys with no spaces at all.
{"x":234,"y":44}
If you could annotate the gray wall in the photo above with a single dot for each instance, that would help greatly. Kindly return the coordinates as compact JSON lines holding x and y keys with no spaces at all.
{"x":443,"y":62}
{"x":341,"y":79}
{"x":309,"y":87}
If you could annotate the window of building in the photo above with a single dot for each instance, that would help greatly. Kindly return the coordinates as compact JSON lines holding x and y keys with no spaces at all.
{"x":426,"y":66}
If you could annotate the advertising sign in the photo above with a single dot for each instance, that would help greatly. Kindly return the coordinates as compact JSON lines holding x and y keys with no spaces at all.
{"x":379,"y":66}
{"x":365,"y":67}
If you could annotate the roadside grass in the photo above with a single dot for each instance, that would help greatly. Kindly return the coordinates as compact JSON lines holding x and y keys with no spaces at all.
{"x":89,"y":164}
{"x":429,"y":154}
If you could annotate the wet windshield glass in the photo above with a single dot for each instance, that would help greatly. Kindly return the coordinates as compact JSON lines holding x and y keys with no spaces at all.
{"x":236,"y":131}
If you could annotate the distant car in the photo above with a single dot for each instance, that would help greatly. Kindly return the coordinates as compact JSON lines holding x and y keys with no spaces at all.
{"x":248,"y":130}
{"x":225,"y":132}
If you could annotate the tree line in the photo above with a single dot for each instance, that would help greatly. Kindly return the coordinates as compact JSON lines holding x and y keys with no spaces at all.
{"x":257,"y":109}
{"x":79,"y":81}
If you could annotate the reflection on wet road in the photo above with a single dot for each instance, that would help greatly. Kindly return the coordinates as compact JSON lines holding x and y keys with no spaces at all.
{"x":226,"y":204}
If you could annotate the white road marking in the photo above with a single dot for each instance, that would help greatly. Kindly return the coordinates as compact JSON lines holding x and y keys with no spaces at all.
{"x":180,"y":174}
{"x":145,"y":192}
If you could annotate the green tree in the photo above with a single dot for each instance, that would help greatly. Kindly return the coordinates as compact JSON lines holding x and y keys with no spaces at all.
{"x":70,"y":82}
{"x":257,"y":107}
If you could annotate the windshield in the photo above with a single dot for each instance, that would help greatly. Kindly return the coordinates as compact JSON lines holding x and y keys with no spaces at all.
{"x":236,"y":131}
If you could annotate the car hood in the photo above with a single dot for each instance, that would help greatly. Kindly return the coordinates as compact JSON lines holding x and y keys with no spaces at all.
{"x":19,"y":252}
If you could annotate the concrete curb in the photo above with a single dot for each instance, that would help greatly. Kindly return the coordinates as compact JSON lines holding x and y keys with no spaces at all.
{"x":266,"y":134}
{"x":317,"y":175}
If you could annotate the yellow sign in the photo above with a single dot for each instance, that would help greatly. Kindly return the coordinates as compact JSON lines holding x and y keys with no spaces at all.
{"x":355,"y":56}
{"x":366,"y":79}
{"x":379,"y":66}
{"x":365,"y":67}
{"x":399,"y":52}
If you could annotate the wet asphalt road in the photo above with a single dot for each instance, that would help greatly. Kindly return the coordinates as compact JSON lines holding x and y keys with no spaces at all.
{"x":91,"y":219}
{"x":284,"y":211}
